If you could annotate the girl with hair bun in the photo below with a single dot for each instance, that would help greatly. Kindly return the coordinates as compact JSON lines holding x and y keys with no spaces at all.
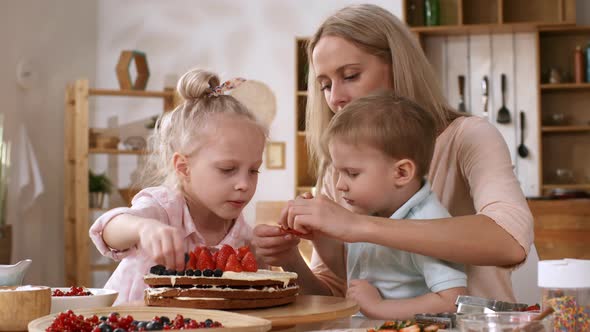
{"x":201,"y":172}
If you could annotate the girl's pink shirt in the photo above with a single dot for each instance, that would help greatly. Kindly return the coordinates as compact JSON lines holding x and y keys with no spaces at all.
{"x":471,"y":173}
{"x":169,"y":207}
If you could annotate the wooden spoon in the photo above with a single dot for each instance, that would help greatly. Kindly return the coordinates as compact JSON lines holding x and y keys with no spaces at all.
{"x":535,"y":324}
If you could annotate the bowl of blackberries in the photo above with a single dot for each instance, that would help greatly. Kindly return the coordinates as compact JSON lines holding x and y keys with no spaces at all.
{"x":64,"y":298}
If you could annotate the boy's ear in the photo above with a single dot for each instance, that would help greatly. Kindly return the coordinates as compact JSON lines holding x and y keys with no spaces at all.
{"x":180,"y":162}
{"x":404,"y":171}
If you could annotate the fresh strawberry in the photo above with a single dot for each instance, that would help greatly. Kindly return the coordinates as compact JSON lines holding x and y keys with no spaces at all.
{"x":233,"y":264}
{"x":242,"y":251}
{"x":198,"y":250}
{"x":223,"y":255}
{"x":192,"y":261}
{"x":249,"y":263}
{"x":215,"y":256}
{"x":205,"y":260}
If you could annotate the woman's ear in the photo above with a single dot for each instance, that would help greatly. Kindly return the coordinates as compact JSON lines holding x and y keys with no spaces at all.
{"x":404,"y":171}
{"x":180,"y":162}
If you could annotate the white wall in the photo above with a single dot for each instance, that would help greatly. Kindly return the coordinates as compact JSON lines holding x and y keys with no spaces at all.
{"x":59,"y":39}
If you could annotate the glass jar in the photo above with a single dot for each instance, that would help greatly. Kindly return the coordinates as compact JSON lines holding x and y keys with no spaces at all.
{"x":431,"y":12}
{"x":565,"y":286}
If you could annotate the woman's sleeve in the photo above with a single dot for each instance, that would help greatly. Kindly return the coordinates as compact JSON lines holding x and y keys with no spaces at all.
{"x":485,"y":162}
{"x":336,"y":284}
{"x":144,"y":205}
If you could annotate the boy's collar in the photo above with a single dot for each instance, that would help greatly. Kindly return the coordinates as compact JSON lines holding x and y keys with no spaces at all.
{"x":416,"y":199}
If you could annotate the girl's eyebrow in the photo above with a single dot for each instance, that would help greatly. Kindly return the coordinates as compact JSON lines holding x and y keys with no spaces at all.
{"x":338,"y":70}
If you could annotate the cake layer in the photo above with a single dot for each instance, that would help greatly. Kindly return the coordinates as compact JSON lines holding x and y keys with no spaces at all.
{"x":215,"y":303}
{"x":264,"y":292}
{"x":260,"y":278}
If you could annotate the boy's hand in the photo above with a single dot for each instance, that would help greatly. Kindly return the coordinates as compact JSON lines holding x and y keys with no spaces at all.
{"x":163,"y":243}
{"x":322,"y":215}
{"x":274,"y":246}
{"x":365,"y":294}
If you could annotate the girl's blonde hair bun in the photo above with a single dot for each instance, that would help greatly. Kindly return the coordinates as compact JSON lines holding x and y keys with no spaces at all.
{"x":196,"y":84}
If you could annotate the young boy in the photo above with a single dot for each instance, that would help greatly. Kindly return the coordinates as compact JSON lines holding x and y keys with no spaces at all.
{"x":380,"y":147}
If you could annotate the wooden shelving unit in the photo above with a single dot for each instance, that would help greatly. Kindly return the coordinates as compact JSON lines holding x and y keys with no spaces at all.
{"x":465,"y":17}
{"x":304,"y":177}
{"x":78,"y":264}
{"x":564,"y":144}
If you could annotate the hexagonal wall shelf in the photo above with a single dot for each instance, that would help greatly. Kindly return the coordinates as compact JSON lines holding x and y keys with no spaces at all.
{"x":141,"y":66}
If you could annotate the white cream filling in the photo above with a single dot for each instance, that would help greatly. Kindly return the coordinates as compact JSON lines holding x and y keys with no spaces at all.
{"x":283,"y":277}
{"x":160,"y":290}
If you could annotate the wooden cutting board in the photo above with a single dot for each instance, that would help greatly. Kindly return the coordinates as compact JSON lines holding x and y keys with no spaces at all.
{"x":306,"y":309}
{"x":231,"y":321}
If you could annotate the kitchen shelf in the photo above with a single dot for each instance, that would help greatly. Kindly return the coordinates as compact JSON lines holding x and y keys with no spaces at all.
{"x":576,"y":186}
{"x":565,"y":129}
{"x":116,"y":151}
{"x":77,"y":212}
{"x":131,"y":93}
{"x":565,"y":86}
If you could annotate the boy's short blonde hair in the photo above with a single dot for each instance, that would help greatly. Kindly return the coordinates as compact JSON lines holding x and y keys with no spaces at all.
{"x":394,"y":125}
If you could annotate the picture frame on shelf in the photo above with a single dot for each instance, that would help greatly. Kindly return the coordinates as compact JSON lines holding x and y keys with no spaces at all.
{"x":275,"y":155}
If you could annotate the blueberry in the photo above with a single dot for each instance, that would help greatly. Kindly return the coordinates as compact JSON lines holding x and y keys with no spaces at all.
{"x":189,"y":272}
{"x":157,"y":269}
{"x":170,"y":273}
{"x":141,"y":325}
{"x":218,"y":273}
{"x":119,"y":330}
{"x":103,"y":318}
{"x":208,"y":273}
{"x":134,"y":323}
{"x":208,"y":322}
{"x":180,"y":273}
{"x":104,"y":327}
{"x":187,"y":320}
{"x":165,"y":320}
{"x":197,"y":273}
{"x":153,"y":326}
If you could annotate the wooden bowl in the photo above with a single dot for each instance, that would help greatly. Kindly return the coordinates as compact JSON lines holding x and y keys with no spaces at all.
{"x":107,"y":142}
{"x":231,"y":321}
{"x":20,"y":305}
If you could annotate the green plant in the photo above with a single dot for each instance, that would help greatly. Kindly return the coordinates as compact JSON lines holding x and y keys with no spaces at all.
{"x":99,"y":183}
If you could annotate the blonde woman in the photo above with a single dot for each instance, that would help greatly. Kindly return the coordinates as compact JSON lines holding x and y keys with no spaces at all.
{"x":356,"y":51}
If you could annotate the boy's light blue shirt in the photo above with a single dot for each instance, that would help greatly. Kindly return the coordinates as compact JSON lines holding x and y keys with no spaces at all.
{"x":399,"y":274}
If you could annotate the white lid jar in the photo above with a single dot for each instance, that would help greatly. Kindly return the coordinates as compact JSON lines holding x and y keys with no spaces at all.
{"x":565,"y":286}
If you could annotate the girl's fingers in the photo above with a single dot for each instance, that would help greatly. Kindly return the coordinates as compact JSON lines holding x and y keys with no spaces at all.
{"x":280,"y":242}
{"x":264,"y":231}
{"x":296,"y":210}
{"x":179,"y":250}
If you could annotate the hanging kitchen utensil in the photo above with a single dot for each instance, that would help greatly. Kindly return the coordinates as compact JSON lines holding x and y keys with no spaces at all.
{"x":503,"y":114}
{"x":523,"y":152}
{"x":461,"y":107}
{"x":484,"y":91}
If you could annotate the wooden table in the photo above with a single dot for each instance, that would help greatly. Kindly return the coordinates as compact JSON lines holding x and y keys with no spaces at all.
{"x":306,"y":309}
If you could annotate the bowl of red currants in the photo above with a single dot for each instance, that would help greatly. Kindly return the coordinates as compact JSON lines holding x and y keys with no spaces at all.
{"x":63,"y":298}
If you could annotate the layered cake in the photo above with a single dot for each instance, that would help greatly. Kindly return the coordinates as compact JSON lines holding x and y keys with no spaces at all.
{"x":226,"y":279}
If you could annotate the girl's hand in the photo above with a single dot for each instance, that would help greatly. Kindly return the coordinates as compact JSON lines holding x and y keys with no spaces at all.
{"x":163,"y":243}
{"x":274,"y":246}
{"x":365,"y":294}
{"x":285,"y":212}
{"x":322,"y":215}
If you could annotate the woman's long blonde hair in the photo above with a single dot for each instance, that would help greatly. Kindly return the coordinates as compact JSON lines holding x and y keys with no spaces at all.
{"x":178,"y":130}
{"x":377,"y":32}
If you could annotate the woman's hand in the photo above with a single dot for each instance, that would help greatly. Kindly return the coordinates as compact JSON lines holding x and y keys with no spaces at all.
{"x":366,"y":295}
{"x":321,"y":214}
{"x":163,"y":243}
{"x":274,"y":246}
